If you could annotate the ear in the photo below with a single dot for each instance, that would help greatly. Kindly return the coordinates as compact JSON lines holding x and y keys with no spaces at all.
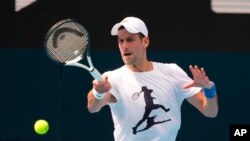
{"x":146,"y":42}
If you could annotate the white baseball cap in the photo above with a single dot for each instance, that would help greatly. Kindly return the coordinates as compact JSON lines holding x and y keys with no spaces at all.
{"x":132,"y":25}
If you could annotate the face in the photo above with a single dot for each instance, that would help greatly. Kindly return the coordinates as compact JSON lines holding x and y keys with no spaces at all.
{"x":132,"y":47}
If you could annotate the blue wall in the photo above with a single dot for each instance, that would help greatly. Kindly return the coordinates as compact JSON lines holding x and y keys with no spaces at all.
{"x":33,"y":87}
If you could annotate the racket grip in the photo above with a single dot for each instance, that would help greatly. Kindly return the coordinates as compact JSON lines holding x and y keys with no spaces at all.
{"x":96,"y":74}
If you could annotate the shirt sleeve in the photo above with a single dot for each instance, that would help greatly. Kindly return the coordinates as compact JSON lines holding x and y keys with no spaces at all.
{"x":181,"y":80}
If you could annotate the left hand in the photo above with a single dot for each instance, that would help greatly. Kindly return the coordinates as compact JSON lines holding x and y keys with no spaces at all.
{"x":102,"y":86}
{"x":200,"y":78}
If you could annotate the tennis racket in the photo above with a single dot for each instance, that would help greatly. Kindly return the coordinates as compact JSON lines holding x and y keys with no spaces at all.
{"x":135,"y":95}
{"x":67,"y":42}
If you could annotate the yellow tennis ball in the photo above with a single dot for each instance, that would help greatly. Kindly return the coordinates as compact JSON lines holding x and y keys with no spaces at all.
{"x":41,"y":126}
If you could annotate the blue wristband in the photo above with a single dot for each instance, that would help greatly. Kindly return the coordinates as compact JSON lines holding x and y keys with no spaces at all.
{"x":210,"y":93}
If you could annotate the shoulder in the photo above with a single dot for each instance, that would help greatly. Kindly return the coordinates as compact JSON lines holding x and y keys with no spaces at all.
{"x":116,"y":73}
{"x":166,"y":66}
{"x":170,"y":69}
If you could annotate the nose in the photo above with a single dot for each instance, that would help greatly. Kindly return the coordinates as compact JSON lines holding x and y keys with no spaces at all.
{"x":124,"y":45}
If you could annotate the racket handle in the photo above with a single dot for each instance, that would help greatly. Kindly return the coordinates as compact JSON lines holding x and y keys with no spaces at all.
{"x":96,"y":74}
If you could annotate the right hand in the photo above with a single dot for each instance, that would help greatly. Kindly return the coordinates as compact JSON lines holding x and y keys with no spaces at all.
{"x":102,"y":86}
{"x":200,"y":78}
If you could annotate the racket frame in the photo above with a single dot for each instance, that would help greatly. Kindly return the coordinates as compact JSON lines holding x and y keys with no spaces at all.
{"x":75,"y":62}
{"x":136,"y":97}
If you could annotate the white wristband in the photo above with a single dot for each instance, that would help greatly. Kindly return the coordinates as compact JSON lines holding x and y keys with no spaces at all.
{"x":98,"y":96}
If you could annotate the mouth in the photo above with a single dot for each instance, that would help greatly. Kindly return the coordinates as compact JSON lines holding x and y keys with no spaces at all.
{"x":127,"y":54}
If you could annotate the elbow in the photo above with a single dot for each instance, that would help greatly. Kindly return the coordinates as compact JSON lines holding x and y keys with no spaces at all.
{"x":215,"y":114}
{"x":211,"y":110}
{"x":212,"y":114}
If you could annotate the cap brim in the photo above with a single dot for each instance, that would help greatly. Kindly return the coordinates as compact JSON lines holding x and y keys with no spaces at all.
{"x":114,"y":30}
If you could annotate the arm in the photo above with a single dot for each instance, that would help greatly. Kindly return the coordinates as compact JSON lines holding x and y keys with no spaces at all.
{"x":101,"y":87}
{"x":208,"y":106}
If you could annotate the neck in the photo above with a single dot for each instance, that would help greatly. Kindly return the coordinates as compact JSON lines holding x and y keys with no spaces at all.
{"x":143,"y":67}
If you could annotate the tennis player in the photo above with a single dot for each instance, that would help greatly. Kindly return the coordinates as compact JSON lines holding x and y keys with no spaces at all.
{"x":156,"y":114}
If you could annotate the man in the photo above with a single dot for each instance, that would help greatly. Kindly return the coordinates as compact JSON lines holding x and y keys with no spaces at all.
{"x":161,"y":88}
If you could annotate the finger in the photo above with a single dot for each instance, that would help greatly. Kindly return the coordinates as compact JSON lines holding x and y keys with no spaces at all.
{"x":99,"y":88}
{"x":97,"y":83}
{"x":203,"y":73}
{"x":94,"y":82}
{"x":207,"y":79}
{"x":197,"y":70}
{"x":105,"y":78}
{"x":192,"y":70}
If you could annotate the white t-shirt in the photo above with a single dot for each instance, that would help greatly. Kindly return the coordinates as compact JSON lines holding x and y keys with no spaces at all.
{"x":156,"y":114}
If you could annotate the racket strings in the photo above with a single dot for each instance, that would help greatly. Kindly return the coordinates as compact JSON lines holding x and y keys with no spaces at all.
{"x":67,"y":42}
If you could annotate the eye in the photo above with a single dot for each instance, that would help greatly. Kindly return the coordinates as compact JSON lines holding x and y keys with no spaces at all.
{"x":130,"y":39}
{"x":121,"y":40}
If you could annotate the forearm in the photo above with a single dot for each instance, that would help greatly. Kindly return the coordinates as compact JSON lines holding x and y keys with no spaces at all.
{"x":207,"y":106}
{"x":210,"y":107}
{"x":95,"y":105}
{"x":210,"y":104}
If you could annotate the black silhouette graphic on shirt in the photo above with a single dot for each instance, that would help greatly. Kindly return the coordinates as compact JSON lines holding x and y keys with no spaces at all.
{"x":150,"y":106}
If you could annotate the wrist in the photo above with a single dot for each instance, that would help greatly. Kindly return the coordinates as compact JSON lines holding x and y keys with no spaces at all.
{"x":98,"y":96}
{"x":210,"y":92}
